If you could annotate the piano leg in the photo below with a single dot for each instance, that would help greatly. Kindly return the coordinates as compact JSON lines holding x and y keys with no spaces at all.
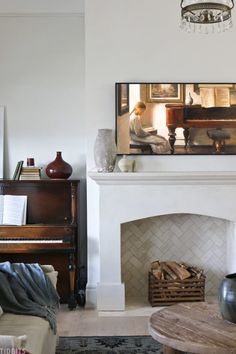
{"x":72,"y":300}
{"x":172,"y":139}
{"x":186,"y":136}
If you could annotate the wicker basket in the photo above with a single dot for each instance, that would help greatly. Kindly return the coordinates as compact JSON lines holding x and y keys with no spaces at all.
{"x":169,"y":292}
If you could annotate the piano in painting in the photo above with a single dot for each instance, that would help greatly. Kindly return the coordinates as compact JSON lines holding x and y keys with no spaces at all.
{"x":187,"y":117}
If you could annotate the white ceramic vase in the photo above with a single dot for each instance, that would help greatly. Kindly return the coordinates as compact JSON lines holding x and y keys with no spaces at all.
{"x":105,"y":151}
{"x":189,"y":99}
{"x":125,"y":164}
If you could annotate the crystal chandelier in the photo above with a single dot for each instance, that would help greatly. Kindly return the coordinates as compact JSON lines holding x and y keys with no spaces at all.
{"x":206,"y":17}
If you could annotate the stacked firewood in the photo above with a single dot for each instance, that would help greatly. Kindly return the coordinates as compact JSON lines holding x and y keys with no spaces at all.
{"x":174,"y":271}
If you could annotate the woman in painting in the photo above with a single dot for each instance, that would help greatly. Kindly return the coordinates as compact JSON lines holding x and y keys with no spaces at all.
{"x":158,"y":143}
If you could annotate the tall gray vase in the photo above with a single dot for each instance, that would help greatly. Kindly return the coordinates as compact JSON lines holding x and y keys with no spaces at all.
{"x":105,"y":151}
{"x":227,"y":297}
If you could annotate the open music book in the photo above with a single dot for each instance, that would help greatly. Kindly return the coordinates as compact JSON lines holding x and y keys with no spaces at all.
{"x":215,"y":97}
{"x":13,"y":209}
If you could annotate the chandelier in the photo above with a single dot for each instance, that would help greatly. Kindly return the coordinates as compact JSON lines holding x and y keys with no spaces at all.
{"x":206,"y":17}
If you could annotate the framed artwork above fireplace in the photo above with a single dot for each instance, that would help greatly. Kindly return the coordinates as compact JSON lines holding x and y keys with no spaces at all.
{"x":176,"y":118}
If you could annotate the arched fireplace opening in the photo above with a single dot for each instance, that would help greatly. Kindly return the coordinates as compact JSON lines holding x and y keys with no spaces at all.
{"x":198,"y":240}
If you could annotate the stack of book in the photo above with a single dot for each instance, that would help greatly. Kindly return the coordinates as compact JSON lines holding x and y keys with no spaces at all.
{"x":30,"y":173}
{"x":26,"y":173}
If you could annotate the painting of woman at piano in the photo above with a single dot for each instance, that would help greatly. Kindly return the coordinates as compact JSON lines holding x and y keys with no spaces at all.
{"x":160,"y":121}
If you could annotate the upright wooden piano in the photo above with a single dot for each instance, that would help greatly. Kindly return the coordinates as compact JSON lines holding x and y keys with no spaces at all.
{"x":184,"y":116}
{"x":51,"y":233}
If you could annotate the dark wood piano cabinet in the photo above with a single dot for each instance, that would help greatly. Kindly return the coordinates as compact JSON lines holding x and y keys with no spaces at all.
{"x":184,"y":116}
{"x":51,"y":233}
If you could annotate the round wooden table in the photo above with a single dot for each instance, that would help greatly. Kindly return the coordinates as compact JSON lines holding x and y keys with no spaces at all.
{"x":194,"y":328}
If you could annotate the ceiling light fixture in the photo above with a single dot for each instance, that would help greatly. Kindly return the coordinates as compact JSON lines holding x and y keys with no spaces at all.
{"x":206,"y":17}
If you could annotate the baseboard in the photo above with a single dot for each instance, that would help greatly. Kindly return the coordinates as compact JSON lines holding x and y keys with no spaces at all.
{"x":91,"y":296}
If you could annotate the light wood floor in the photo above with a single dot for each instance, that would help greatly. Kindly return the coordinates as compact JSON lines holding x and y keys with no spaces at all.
{"x":84,"y":322}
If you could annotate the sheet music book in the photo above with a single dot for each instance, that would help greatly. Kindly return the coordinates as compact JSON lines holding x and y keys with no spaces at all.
{"x":215,"y":97}
{"x":13,"y":209}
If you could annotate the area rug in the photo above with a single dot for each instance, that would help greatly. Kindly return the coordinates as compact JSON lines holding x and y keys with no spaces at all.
{"x":109,"y":345}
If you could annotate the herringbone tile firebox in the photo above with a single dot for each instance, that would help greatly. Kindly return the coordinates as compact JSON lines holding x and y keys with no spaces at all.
{"x":195,"y":239}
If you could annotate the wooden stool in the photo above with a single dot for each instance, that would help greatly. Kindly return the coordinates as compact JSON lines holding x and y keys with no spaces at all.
{"x":218,"y":136}
{"x":193,"y":328}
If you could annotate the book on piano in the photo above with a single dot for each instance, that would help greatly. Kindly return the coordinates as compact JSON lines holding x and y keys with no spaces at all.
{"x":17,"y":171}
{"x":13,"y":209}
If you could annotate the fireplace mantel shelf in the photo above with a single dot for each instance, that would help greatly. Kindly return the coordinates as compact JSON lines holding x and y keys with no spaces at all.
{"x":165,"y":178}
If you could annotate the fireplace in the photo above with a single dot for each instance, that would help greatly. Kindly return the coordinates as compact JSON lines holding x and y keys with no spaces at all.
{"x":128,"y":197}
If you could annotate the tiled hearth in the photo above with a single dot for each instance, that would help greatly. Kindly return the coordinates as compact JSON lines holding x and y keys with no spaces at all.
{"x":195,"y":239}
{"x":146,"y":211}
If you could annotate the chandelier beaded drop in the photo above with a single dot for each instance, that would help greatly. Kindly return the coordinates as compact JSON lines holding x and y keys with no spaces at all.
{"x":206,"y":17}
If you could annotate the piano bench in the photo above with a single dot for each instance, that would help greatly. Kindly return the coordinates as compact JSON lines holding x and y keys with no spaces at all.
{"x":218,"y":136}
{"x":141,"y":146}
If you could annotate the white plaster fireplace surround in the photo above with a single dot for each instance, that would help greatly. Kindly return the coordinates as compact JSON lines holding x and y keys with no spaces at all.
{"x":124,"y":197}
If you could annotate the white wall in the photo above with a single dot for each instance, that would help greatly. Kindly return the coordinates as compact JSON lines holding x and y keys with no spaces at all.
{"x":140,"y":41}
{"x":41,"y":86}
{"x":41,"y":6}
{"x":119,"y":34}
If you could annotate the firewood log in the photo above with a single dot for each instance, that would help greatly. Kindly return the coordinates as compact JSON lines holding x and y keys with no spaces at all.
{"x":157,"y":273}
{"x":155,"y":265}
{"x":169,"y":273}
{"x":171,"y":270}
{"x":179,"y":270}
{"x":195,"y":272}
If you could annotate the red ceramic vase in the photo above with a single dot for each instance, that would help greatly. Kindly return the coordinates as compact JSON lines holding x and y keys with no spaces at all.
{"x":59,"y":169}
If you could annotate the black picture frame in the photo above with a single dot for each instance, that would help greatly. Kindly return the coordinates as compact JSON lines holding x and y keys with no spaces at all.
{"x":204,"y":148}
